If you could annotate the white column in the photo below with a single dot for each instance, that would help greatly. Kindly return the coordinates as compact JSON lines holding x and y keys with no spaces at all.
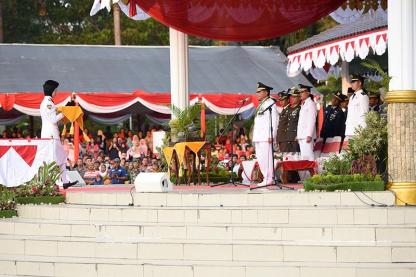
{"x":402,"y":44}
{"x":345,"y":76}
{"x":401,"y":99}
{"x":179,"y":68}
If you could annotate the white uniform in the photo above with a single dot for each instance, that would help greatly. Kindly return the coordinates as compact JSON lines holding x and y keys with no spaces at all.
{"x":261,"y":135}
{"x":306,"y":128}
{"x":357,"y":109}
{"x":50,"y":129}
{"x":50,"y":119}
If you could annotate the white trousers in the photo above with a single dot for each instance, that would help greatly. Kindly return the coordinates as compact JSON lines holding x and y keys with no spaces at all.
{"x":306,"y":150}
{"x":265,"y":159}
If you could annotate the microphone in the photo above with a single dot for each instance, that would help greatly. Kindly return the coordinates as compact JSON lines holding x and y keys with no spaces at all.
{"x":244,"y":100}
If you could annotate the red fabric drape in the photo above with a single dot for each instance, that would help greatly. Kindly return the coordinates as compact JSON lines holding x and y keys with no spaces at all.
{"x":33,"y":100}
{"x":238,"y":20}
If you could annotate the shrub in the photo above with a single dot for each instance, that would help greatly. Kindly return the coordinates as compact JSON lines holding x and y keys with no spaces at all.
{"x":43,"y":183}
{"x":356,"y":182}
{"x":338,"y":164}
{"x":369,"y":145}
{"x":7,"y":201}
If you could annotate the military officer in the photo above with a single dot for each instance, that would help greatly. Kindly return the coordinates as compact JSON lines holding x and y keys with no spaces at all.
{"x":334,"y":118}
{"x":263,"y":137}
{"x":374,"y":101}
{"x":50,"y":118}
{"x":292,"y":128}
{"x":357,"y":106}
{"x":284,"y":101}
{"x":306,"y":131}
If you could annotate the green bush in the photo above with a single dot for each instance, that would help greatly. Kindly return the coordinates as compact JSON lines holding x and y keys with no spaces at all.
{"x":40,"y":199}
{"x":7,"y":199}
{"x":338,"y":164}
{"x":214,"y":177}
{"x":8,"y":213}
{"x":356,"y":182}
{"x":43,"y":183}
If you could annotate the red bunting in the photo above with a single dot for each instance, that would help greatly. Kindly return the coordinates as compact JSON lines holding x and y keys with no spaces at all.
{"x":237,"y":20}
{"x":27,"y":152}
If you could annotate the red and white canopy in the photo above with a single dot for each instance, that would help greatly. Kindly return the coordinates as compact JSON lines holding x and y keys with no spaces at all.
{"x":109,"y":103}
{"x":345,"y":49}
{"x":342,"y":42}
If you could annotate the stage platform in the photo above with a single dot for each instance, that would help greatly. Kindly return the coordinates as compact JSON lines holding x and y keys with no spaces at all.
{"x":204,"y":232}
{"x":204,"y":196}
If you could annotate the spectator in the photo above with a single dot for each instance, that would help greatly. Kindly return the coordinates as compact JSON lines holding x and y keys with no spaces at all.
{"x":144,"y":165}
{"x":118,"y":174}
{"x":134,"y":151}
{"x":80,"y":167}
{"x":92,"y":176}
{"x":144,"y":150}
{"x":92,"y":148}
{"x":113,"y":150}
{"x":104,"y":174}
{"x":154,"y":167}
{"x":133,"y":171}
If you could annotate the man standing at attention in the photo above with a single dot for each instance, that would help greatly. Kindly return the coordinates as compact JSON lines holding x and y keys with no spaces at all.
{"x":264,"y":132}
{"x":50,"y":118}
{"x":306,"y":132}
{"x":334,"y":118}
{"x":357,"y":106}
{"x":282,"y":140}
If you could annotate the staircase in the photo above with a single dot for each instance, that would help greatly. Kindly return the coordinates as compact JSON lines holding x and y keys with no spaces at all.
{"x":201,"y":234}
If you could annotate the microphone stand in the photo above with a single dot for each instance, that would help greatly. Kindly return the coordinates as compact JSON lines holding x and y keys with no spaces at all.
{"x":230,"y":124}
{"x":275,"y":181}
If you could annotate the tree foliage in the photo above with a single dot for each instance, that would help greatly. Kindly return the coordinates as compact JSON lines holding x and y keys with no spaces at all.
{"x":69,"y":22}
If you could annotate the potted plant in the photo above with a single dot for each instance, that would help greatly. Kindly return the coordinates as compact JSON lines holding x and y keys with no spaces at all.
{"x":42,"y":189}
{"x":185,"y":125}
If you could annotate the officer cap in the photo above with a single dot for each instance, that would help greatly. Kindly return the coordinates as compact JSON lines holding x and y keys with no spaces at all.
{"x":357,"y":77}
{"x":372,"y":94}
{"x":339,"y":95}
{"x":302,"y":88}
{"x":343,"y":97}
{"x":294,"y":92}
{"x":283,"y":95}
{"x":49,"y":87}
{"x":261,"y":87}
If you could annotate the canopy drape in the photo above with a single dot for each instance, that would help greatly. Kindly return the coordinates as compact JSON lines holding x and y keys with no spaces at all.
{"x":13,"y":105}
{"x":238,"y":20}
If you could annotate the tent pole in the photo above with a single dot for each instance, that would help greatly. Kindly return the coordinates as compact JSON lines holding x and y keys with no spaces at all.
{"x":345,"y":76}
{"x":179,"y":68}
{"x":76,"y":137}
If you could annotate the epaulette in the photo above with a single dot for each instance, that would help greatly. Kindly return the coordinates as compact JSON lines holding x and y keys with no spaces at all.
{"x":364,"y":92}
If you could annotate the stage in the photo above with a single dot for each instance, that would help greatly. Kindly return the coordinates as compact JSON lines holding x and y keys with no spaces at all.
{"x":197,"y":196}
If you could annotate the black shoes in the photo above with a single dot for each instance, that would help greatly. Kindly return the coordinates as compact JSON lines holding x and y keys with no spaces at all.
{"x":69,"y":184}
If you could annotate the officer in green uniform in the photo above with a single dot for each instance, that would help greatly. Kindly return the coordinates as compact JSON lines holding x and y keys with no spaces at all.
{"x":284,"y":101}
{"x":292,"y":125}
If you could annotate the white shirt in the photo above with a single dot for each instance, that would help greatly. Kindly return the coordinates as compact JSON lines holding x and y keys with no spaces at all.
{"x":357,"y":109}
{"x":261,"y":129}
{"x":307,"y":120}
{"x":50,"y":119}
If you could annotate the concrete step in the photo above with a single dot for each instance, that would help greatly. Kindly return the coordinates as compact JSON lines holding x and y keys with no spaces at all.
{"x":232,"y":198}
{"x":145,"y":249}
{"x":68,"y":267}
{"x":224,"y":215}
{"x":239,"y":231}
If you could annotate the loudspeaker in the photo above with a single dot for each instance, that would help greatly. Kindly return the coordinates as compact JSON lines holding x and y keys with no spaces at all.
{"x":153,"y":182}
